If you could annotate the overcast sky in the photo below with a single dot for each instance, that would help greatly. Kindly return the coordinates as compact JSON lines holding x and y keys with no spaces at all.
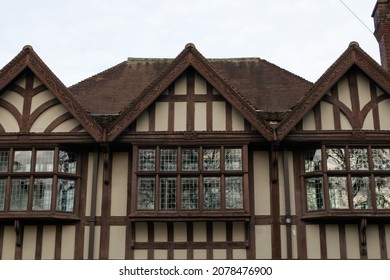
{"x":79,"y":38}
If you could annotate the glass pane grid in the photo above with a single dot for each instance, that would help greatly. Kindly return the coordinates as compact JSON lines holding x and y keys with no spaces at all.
{"x":189,"y":193}
{"x":314,"y":194}
{"x":67,"y":162}
{"x":167,"y":193}
{"x":22,"y":161}
{"x":145,"y":193}
{"x":382,"y":190}
{"x":44,"y":161}
{"x":233,"y":159}
{"x":212,"y":193}
{"x":4,"y":161}
{"x":211,"y":159}
{"x":234,"y":198}
{"x":358,"y":159}
{"x":19,"y":194}
{"x":189,"y":159}
{"x":3,"y":186}
{"x":42,"y":194}
{"x":168,"y":160}
{"x":335,"y":159}
{"x":381,"y":159}
{"x":146,"y":160}
{"x":313,"y":160}
{"x":65,"y":195}
{"x":338,"y":193}
{"x":361,"y":193}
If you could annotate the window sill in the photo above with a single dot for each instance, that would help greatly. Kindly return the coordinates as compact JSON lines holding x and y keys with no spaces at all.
{"x":175,"y":217}
{"x":346,"y":216}
{"x":39,"y":217}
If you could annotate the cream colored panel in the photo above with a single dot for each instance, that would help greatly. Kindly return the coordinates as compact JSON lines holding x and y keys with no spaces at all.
{"x":379,"y":91}
{"x":180,"y":232}
{"x":344,"y":93}
{"x":8,"y":121}
{"x":41,"y":98}
{"x":387,"y":233}
{"x":352,"y":240}
{"x":48,"y":242}
{"x":181,"y":85}
{"x":384,"y":114}
{"x":180,"y":254}
{"x":14,"y":98}
{"x":327,"y":117}
{"x":141,"y":232}
{"x":200,"y":116}
{"x":161,"y":116}
{"x":344,"y":122}
{"x":219,"y":254}
{"x":21,"y":81}
{"x":219,"y":231}
{"x":373,"y":245}
{"x":200,"y":232}
{"x":160,"y":232}
{"x":200,"y":254}
{"x":141,"y":254}
{"x":333,"y":241}
{"x":282,"y":192}
{"x":37,"y":82}
{"x":160,"y":254}
{"x":239,"y":254}
{"x":238,"y":121}
{"x":180,"y":119}
{"x":369,"y":122}
{"x":9,"y":240}
{"x":283,"y":232}
{"x":308,"y":122}
{"x":96,"y":243}
{"x":238,"y":231}
{"x":261,"y":183}
{"x":86,"y":242}
{"x":363,"y":90}
{"x":200,"y":84}
{"x":313,"y":242}
{"x":29,"y":242}
{"x":219,"y":116}
{"x":67,"y":126}
{"x":117,"y":246}
{"x":263,"y":242}
{"x":119,"y":184}
{"x":44,"y":120}
{"x":68,"y":242}
{"x":143,"y":122}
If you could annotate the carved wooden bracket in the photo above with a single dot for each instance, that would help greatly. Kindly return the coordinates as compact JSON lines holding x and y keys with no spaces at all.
{"x":19,"y":228}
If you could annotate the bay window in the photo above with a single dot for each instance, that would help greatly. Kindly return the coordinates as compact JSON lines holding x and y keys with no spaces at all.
{"x":190,"y":180}
{"x":37,"y":181}
{"x":347,"y":178}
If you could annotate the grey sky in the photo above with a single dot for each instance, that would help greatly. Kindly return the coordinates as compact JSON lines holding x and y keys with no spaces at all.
{"x":79,"y":38}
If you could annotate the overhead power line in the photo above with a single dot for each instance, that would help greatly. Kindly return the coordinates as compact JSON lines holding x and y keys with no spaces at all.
{"x":356,"y":16}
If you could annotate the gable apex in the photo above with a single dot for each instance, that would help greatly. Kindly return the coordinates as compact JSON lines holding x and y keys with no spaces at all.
{"x":28,"y":59}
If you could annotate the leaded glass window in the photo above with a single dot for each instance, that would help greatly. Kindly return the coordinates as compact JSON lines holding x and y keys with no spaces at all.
{"x":167,"y":193}
{"x":145,"y":193}
{"x":67,"y":162}
{"x":147,"y":160}
{"x":211,"y":159}
{"x":189,"y":193}
{"x":233,"y":159}
{"x":44,"y":161}
{"x":65,"y":195}
{"x":19,"y":194}
{"x":355,"y":178}
{"x":168,"y":160}
{"x":189,"y":159}
{"x":3,"y":161}
{"x":212,"y":192}
{"x":3,"y":185}
{"x":42,"y":194}
{"x":234,"y":199}
{"x":22,"y":161}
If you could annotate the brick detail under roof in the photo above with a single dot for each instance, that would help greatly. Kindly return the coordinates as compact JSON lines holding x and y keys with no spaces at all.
{"x":381,"y":16}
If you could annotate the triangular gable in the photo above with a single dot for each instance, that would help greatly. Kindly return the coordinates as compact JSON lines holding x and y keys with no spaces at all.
{"x":189,"y":57}
{"x":44,"y":82}
{"x":354,"y":56}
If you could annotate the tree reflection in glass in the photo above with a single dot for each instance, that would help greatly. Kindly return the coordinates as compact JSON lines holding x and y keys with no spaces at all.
{"x":338,"y":192}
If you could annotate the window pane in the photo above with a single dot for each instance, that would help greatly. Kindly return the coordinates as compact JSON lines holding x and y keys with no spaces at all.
{"x":382,"y":192}
{"x":361,"y":193}
{"x":314,"y":194}
{"x":42,"y":194}
{"x":168,"y":160}
{"x":3,"y":161}
{"x":189,"y":193}
{"x":65,"y":195}
{"x":335,"y":159}
{"x":19,"y":194}
{"x":211,"y":159}
{"x":234,"y":199}
{"x":67,"y":162}
{"x":212,"y":193}
{"x":3,"y":185}
{"x":358,"y":159}
{"x":381,"y":159}
{"x":313,"y":160}
{"x":189,"y":159}
{"x":338,"y":192}
{"x":233,"y":159}
{"x":145,"y":193}
{"x":167,"y":193}
{"x":146,"y":160}
{"x":22,"y":161}
{"x":44,"y":161}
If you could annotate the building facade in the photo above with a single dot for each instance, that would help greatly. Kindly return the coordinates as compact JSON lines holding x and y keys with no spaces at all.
{"x":196,"y":158}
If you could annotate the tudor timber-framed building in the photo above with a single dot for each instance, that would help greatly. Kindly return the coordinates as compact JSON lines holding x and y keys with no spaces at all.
{"x":195,"y":158}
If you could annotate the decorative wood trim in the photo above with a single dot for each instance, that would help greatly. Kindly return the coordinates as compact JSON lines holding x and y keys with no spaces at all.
{"x":343,"y":242}
{"x":39,"y":242}
{"x":59,"y":120}
{"x":382,"y":241}
{"x":58,"y":242}
{"x":323,"y":241}
{"x":275,"y":206}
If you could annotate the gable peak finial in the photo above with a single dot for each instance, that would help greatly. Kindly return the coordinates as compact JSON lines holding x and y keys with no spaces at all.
{"x":27,"y":47}
{"x":190,"y":45}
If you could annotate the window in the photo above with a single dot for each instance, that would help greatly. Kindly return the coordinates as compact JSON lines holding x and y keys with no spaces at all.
{"x":347,"y":178}
{"x":38,"y":180}
{"x":189,"y":179}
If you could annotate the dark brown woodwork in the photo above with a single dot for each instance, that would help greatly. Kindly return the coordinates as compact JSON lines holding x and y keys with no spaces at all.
{"x":58,"y":242}
{"x":343,"y":242}
{"x":39,"y":242}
